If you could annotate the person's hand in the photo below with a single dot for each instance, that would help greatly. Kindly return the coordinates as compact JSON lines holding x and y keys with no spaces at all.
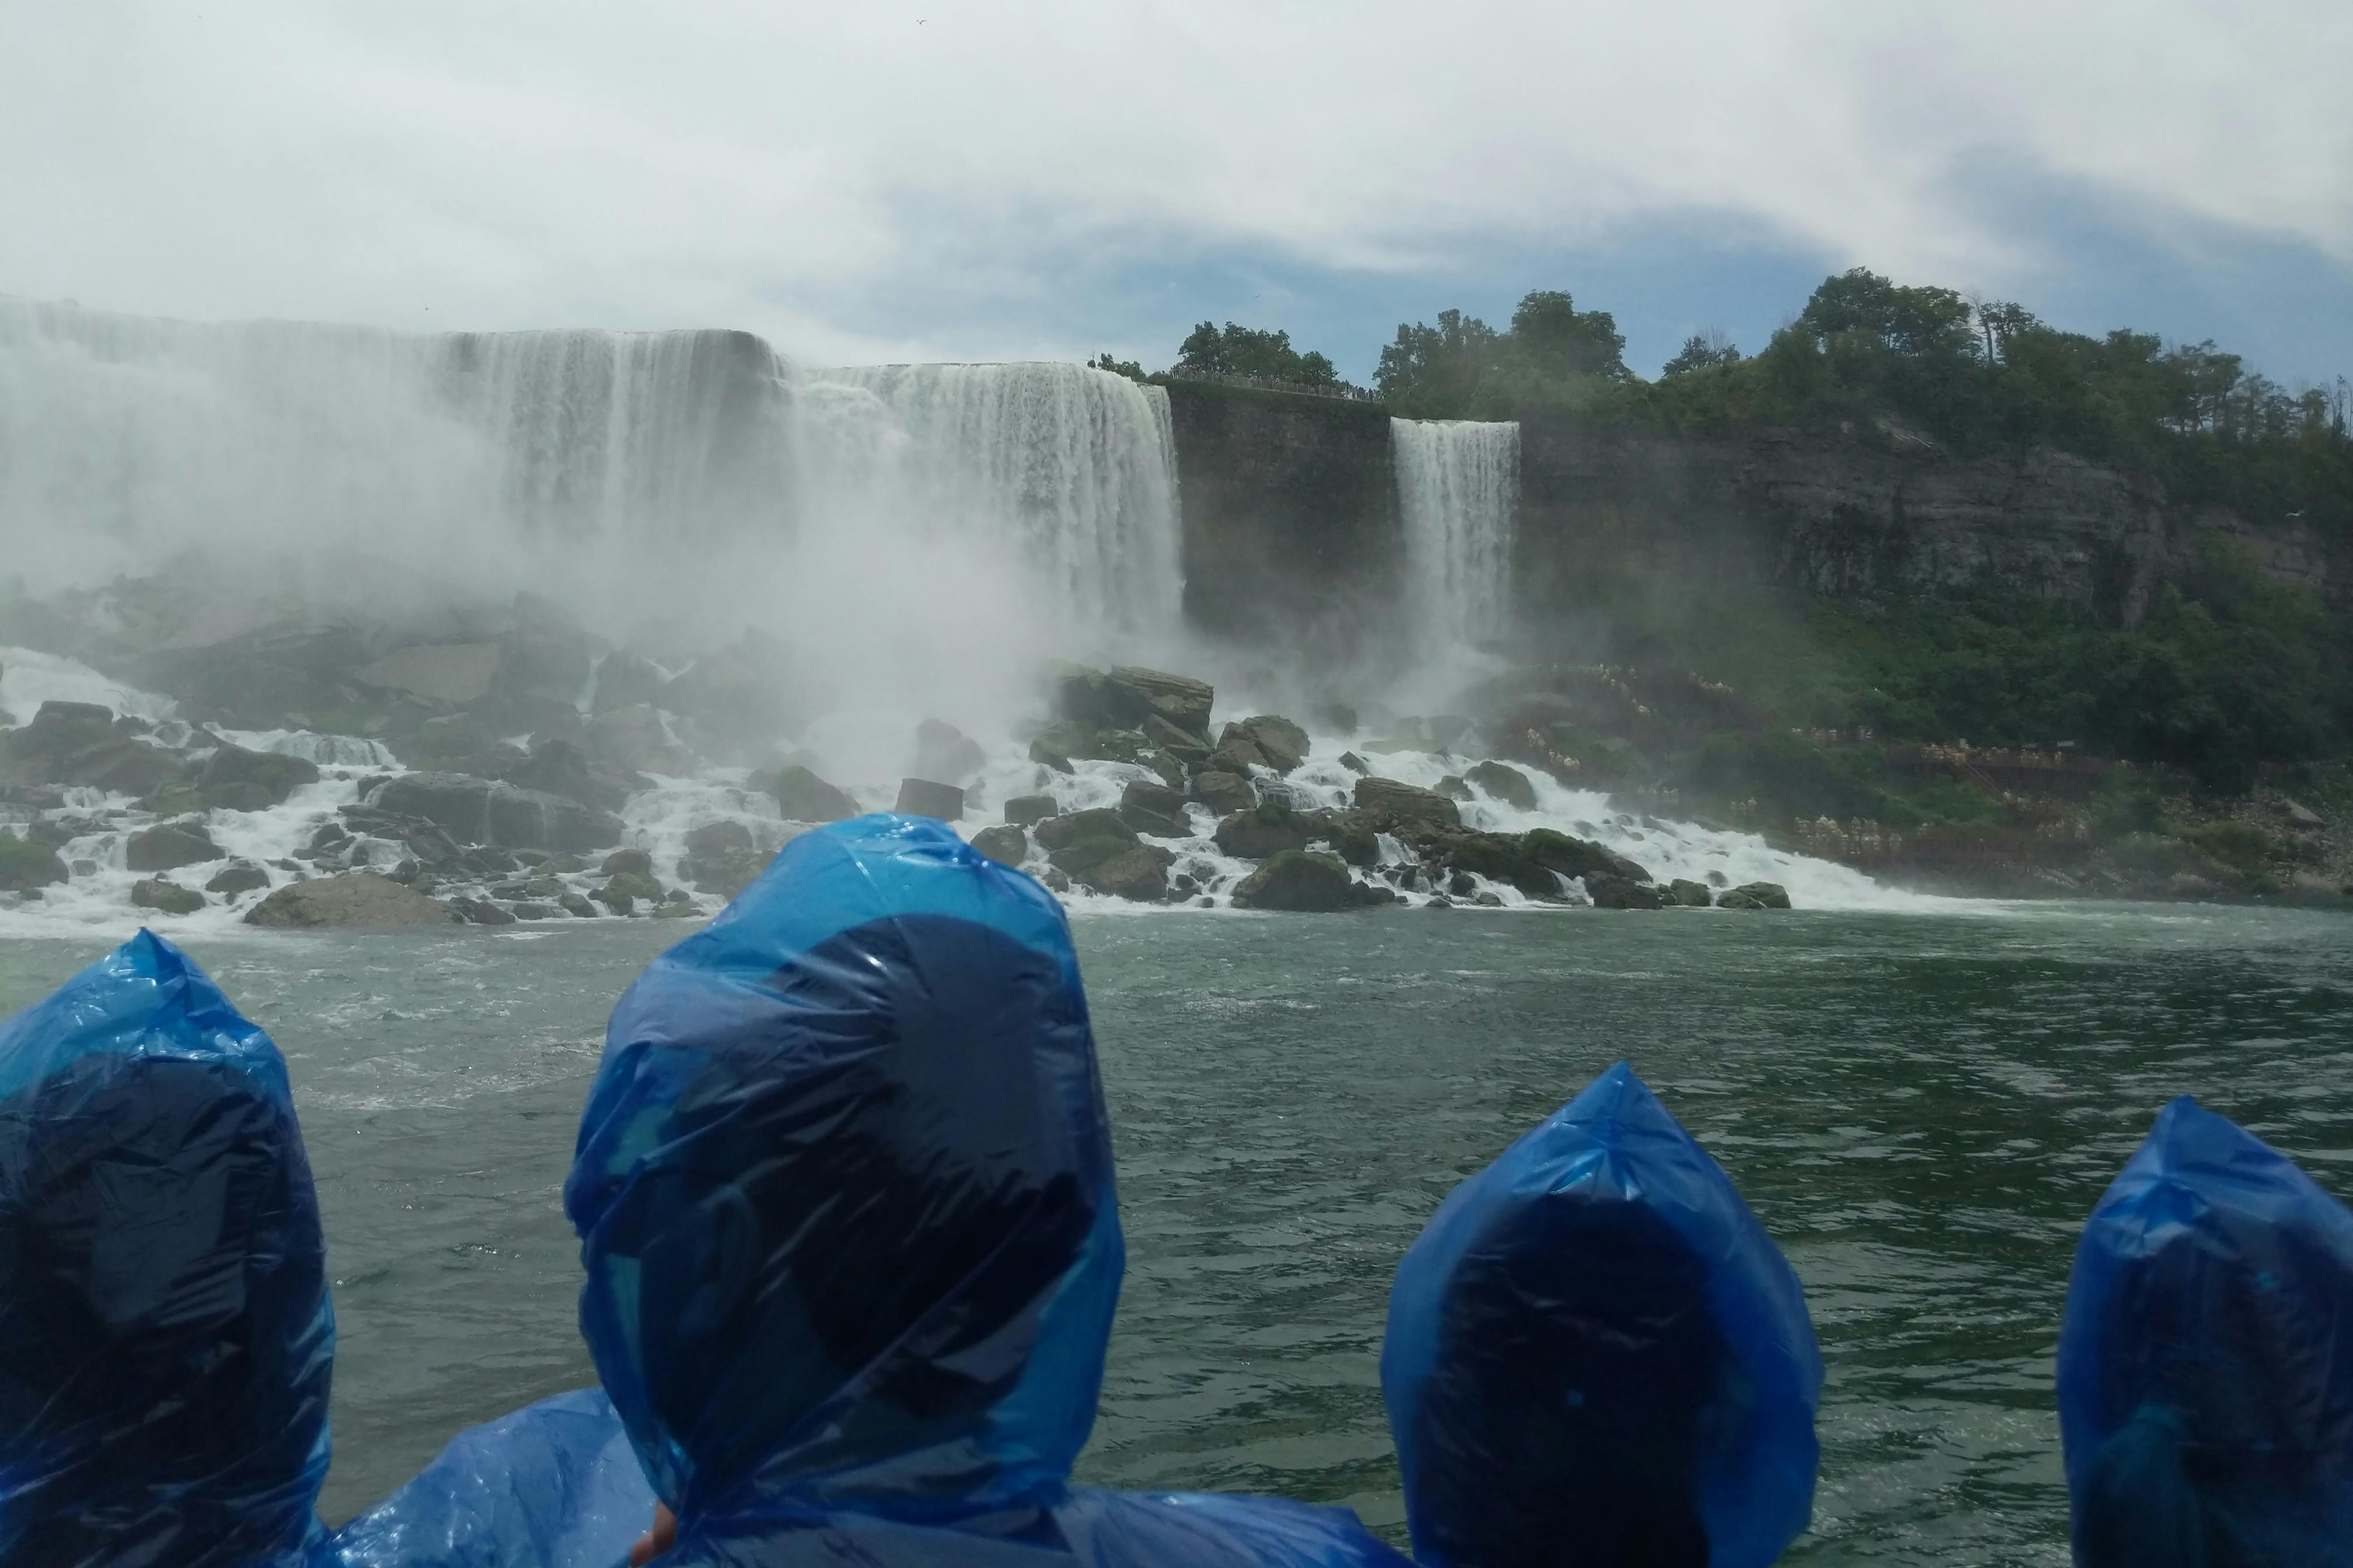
{"x":657,"y":1541}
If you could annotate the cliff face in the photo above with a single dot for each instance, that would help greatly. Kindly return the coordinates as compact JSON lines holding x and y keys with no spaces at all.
{"x":1876,"y":515}
{"x":1291,"y":534}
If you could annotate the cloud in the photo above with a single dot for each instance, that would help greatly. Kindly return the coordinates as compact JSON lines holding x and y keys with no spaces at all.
{"x":889,"y":180}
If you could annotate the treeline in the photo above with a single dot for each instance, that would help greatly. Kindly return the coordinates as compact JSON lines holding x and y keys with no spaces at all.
{"x":1976,"y":376}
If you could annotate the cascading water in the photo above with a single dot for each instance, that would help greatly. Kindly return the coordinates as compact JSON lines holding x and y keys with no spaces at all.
{"x":1074,"y":469}
{"x":1457,"y":494}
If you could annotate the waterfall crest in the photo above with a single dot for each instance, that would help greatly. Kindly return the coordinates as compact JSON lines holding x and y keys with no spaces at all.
{"x":1457,"y":496}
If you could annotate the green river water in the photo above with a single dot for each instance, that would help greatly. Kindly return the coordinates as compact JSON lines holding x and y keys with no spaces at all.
{"x":1921,"y":1107}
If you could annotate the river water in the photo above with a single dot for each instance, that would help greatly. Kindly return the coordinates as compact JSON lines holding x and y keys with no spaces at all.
{"x":1921,"y":1107}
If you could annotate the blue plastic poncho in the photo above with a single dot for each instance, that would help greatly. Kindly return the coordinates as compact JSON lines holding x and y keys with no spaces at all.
{"x":165,"y":1340}
{"x":845,"y":1199}
{"x":1595,"y":1355}
{"x":2206,"y":1364}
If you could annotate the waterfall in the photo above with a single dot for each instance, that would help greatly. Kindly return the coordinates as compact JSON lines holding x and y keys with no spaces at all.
{"x":1458,"y":493}
{"x":1071,"y":471}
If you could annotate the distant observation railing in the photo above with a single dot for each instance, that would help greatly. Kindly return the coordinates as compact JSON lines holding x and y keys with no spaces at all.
{"x":1340,"y":390}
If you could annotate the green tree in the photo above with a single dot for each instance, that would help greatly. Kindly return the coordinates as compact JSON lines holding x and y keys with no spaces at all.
{"x":1232,"y":350}
{"x":1710,"y":350}
{"x":1132,"y":369}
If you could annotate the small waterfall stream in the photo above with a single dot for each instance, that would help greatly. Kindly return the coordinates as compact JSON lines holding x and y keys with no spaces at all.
{"x":1457,"y":494}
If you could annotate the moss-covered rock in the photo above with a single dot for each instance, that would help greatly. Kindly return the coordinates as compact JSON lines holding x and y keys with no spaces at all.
{"x":1304,"y":881}
{"x":25,"y":864}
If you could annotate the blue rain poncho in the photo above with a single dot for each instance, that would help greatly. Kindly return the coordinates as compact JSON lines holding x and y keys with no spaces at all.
{"x":2206,"y":1362}
{"x":844,"y":1192}
{"x":165,"y":1340}
{"x":1597,"y":1356}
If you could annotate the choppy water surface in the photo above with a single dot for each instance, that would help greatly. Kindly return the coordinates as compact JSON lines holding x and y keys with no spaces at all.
{"x":1921,"y":1107}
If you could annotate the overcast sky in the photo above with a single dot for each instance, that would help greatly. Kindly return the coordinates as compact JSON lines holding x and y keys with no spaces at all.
{"x":1030,"y":179}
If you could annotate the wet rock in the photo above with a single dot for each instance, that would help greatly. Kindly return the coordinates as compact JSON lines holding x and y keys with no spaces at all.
{"x":628,"y":862}
{"x":80,"y":744}
{"x":1578,"y":857}
{"x":576,"y":906}
{"x":1266,"y":829}
{"x":532,"y":910}
{"x":624,"y":680}
{"x":1300,"y":880}
{"x":166,"y":897}
{"x":1504,"y":783}
{"x":1354,"y":763}
{"x":445,"y":739}
{"x":740,"y":694}
{"x":26,"y":864}
{"x":945,"y":751}
{"x":1488,"y":900}
{"x":1767,"y":895}
{"x":1278,"y":743}
{"x":635,"y":740}
{"x":722,"y":859}
{"x":1235,"y":755}
{"x":1387,"y":801}
{"x":1023,"y":810}
{"x":1622,"y":893}
{"x":1353,"y":839}
{"x":1155,"y":808}
{"x":360,"y":899}
{"x":454,"y":674}
{"x":1462,"y":884}
{"x":1452,"y":788}
{"x":1006,"y":844}
{"x":491,"y":811}
{"x":1224,"y":792}
{"x":1055,"y":879}
{"x":1083,"y":840}
{"x":484,"y":912}
{"x":802,"y":797}
{"x":1183,"y":744}
{"x":1180,"y":700}
{"x":928,"y":797}
{"x":1688,"y":894}
{"x":238,"y":877}
{"x":559,"y":767}
{"x":1045,"y":756}
{"x":625,"y":889}
{"x":234,"y":779}
{"x":1139,"y":873}
{"x":169,"y":844}
{"x":488,"y":860}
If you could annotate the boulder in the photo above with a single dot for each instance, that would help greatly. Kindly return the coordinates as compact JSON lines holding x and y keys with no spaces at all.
{"x":1224,"y":792}
{"x":1452,"y":788}
{"x":577,"y":907}
{"x":1083,"y":840}
{"x":452,"y":674}
{"x":1354,"y":763}
{"x":634,"y":739}
{"x":484,"y":811}
{"x":1504,"y":783}
{"x":1578,"y":857}
{"x":1622,"y":893}
{"x":628,"y":862}
{"x":1757,"y":896}
{"x":166,"y":897}
{"x":1297,"y":879}
{"x":1235,"y":755}
{"x":1045,"y":756}
{"x":927,"y":797}
{"x":1183,"y":744}
{"x":626,"y":680}
{"x":1266,"y":829}
{"x":25,"y":863}
{"x":1278,"y":742}
{"x":1023,"y":810}
{"x":238,"y":877}
{"x":801,"y":795}
{"x":1068,"y":739}
{"x":1180,"y":700}
{"x":1387,"y":801}
{"x":169,"y":844}
{"x":1155,"y":808}
{"x":740,"y":693}
{"x":484,"y":912}
{"x":1006,"y":843}
{"x":722,"y":859}
{"x":1139,"y":873}
{"x":234,"y":779}
{"x":621,"y":888}
{"x":945,"y":751}
{"x":1688,"y":894}
{"x":80,"y":744}
{"x":360,"y":899}
{"x":559,"y":767}
{"x":1353,"y":838}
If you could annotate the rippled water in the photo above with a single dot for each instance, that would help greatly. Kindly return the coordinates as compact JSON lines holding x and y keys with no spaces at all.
{"x":1921,"y":1107}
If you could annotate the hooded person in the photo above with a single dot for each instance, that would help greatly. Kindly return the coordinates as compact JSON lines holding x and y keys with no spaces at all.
{"x":166,"y":1338}
{"x":2206,"y":1361}
{"x":1597,"y":1358}
{"x":845,"y":1198}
